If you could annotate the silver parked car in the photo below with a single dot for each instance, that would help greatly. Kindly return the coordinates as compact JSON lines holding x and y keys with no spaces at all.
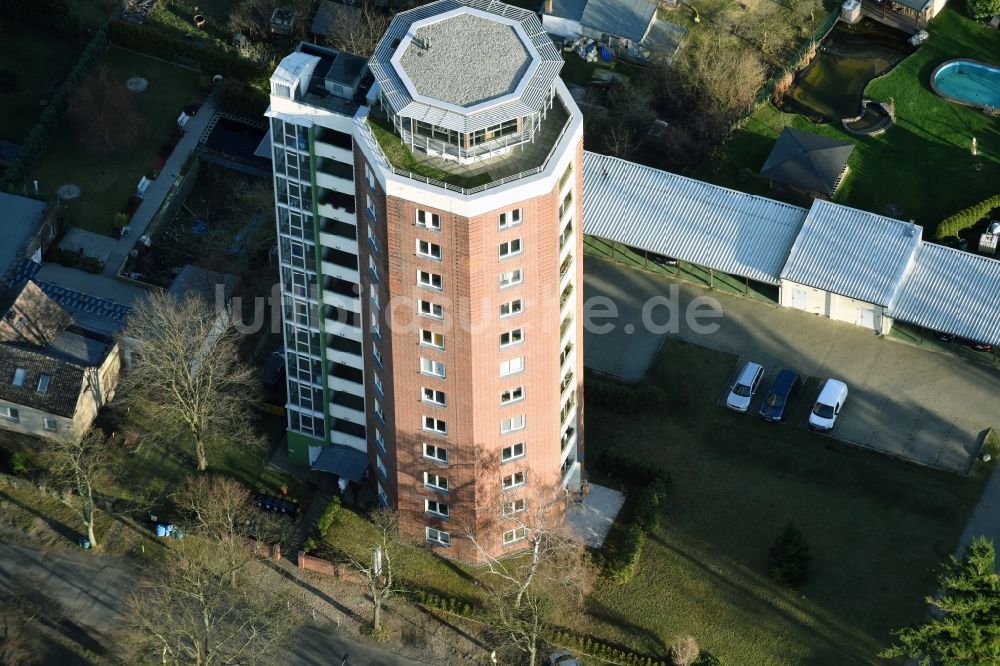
{"x":745,"y":386}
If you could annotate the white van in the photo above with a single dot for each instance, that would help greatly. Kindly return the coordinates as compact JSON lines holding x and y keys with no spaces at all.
{"x":828,"y":405}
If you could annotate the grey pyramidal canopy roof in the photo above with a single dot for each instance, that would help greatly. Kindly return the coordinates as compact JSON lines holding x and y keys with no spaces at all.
{"x":465,"y":60}
{"x":806,"y":160}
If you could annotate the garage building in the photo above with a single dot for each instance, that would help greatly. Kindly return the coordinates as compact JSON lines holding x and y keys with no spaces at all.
{"x":847,"y":264}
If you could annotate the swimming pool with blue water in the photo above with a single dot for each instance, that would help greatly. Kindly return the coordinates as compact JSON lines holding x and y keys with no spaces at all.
{"x":968,"y":82}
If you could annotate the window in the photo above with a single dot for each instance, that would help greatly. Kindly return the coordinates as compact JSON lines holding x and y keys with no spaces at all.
{"x":514,"y":507}
{"x":511,"y":278}
{"x":434,"y":396}
{"x":372,"y":238}
{"x":428,"y":220}
{"x":438,"y":508}
{"x":438,"y":537}
{"x":373,"y":267}
{"x":18,"y":377}
{"x":369,"y":177}
{"x":376,"y":354}
{"x":429,"y":280}
{"x":49,"y":423}
{"x":510,"y":219}
{"x":512,"y":395}
{"x":431,"y":339}
{"x":429,"y":309}
{"x":380,"y":440}
{"x":511,"y":308}
{"x":435,"y":481}
{"x":431,"y":367}
{"x":382,"y":497}
{"x":428,"y":250}
{"x":515,"y":480}
{"x":510,"y":248}
{"x":436,"y":453}
{"x":435,"y":425}
{"x":282,"y":91}
{"x":514,"y":452}
{"x":9,"y":413}
{"x":511,"y":338}
{"x":381,"y":466}
{"x":512,"y":366}
{"x":514,"y":535}
{"x":511,"y":424}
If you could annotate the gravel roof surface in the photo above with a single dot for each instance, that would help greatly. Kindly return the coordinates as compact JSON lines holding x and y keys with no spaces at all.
{"x":471,"y":59}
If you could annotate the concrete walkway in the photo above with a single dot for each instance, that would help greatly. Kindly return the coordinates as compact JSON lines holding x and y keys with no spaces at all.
{"x":157,"y":190}
{"x":910,"y":403}
{"x":591,"y":521}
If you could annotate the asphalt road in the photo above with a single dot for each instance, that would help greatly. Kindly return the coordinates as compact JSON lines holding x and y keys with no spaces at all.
{"x":90,"y":591}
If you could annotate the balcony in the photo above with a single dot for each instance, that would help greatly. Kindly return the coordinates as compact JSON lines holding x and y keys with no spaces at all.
{"x":498,"y":165}
{"x":336,"y":200}
{"x":340,"y":264}
{"x":335,"y":168}
{"x":565,"y":297}
{"x":565,"y":328}
{"x":568,"y":380}
{"x":335,"y":138}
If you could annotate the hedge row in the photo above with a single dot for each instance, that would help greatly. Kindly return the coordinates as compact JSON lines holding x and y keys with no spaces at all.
{"x":33,"y":144}
{"x":75,"y":260}
{"x":624,"y":398}
{"x":584,"y":645}
{"x":967,"y":218}
{"x":242,"y":100}
{"x":653,"y":483}
{"x":212,"y":60}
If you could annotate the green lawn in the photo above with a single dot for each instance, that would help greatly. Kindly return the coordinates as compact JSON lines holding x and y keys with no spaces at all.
{"x":107,"y":181}
{"x":38,"y":61}
{"x":876,"y":527}
{"x":923,"y":164}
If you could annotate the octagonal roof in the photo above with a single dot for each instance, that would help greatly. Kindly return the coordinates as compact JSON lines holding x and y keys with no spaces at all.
{"x":465,"y":65}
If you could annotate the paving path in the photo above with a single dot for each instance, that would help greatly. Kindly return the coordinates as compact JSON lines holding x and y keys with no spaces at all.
{"x":90,"y":591}
{"x":157,"y":190}
{"x":916,"y":404}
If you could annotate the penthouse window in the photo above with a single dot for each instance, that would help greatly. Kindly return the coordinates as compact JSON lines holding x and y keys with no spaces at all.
{"x":435,"y":132}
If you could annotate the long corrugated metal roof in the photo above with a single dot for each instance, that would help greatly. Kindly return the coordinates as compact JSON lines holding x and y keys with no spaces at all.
{"x":951,"y":291}
{"x":622,"y":18}
{"x":852,"y":252}
{"x":703,"y":224}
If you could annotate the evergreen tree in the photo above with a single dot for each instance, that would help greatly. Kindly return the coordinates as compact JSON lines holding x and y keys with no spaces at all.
{"x":964,"y":627}
{"x":788,"y":559}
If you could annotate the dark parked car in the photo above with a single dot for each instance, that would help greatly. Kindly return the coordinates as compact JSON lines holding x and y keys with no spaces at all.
{"x":971,"y":344}
{"x":782,"y":393}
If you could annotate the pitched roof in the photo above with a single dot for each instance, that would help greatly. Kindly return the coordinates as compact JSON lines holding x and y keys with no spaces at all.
{"x":63,"y":391}
{"x":704,"y":224}
{"x":807,"y":160}
{"x":571,"y":10}
{"x":620,"y":18}
{"x":22,"y":218}
{"x":852,"y":252}
{"x":953,"y":292}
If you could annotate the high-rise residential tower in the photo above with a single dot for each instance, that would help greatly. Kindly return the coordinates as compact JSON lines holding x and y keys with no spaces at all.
{"x":433,"y":286}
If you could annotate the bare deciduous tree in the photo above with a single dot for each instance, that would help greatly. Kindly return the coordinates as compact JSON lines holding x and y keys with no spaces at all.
{"x":80,"y":465}
{"x":362,"y":32}
{"x":187,"y":376}
{"x":684,"y":651}
{"x":375,"y":566}
{"x":104,"y":113}
{"x":188,"y":612}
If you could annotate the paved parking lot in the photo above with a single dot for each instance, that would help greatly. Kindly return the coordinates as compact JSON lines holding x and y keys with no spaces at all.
{"x":924,"y":406}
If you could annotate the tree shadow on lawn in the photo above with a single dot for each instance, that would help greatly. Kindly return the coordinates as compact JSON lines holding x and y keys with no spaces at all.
{"x":57,"y":526}
{"x":836,"y":644}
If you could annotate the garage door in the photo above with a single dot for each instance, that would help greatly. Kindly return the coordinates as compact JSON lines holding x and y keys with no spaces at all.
{"x":866,"y":318}
{"x":800,"y":299}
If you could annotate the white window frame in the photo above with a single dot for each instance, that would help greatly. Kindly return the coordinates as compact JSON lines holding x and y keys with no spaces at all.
{"x":429,"y":366}
{"x":510,"y":248}
{"x":430,"y":309}
{"x":434,"y":480}
{"x":429,"y":282}
{"x":426,"y":250}
{"x":509,"y":219}
{"x":512,"y":366}
{"x":514,"y":483}
{"x":428,"y":220}
{"x":428,"y":337}
{"x":50,"y":424}
{"x":436,"y":453}
{"x":513,"y":333}
{"x":510,"y":537}
{"x":510,"y":396}
{"x":512,"y":424}
{"x":434,"y":424}
{"x":510,"y":453}
{"x":433,"y":396}
{"x":511,"y":308}
{"x":438,"y":537}
{"x":514,"y":507}
{"x":511,"y":278}
{"x":437,"y":508}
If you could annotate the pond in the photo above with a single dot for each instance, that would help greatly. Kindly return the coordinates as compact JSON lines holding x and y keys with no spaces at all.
{"x":832,"y":85}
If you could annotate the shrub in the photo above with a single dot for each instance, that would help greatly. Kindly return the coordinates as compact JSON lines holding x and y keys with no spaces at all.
{"x":781,"y":86}
{"x":624,"y":398}
{"x":630,"y":467}
{"x":707,"y":659}
{"x":325,"y":520}
{"x":788,"y":560}
{"x":967,"y":218}
{"x":982,"y":9}
{"x":684,"y":651}
{"x":242,"y":100}
{"x":630,"y":552}
{"x":649,"y":503}
{"x":21,"y":462}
